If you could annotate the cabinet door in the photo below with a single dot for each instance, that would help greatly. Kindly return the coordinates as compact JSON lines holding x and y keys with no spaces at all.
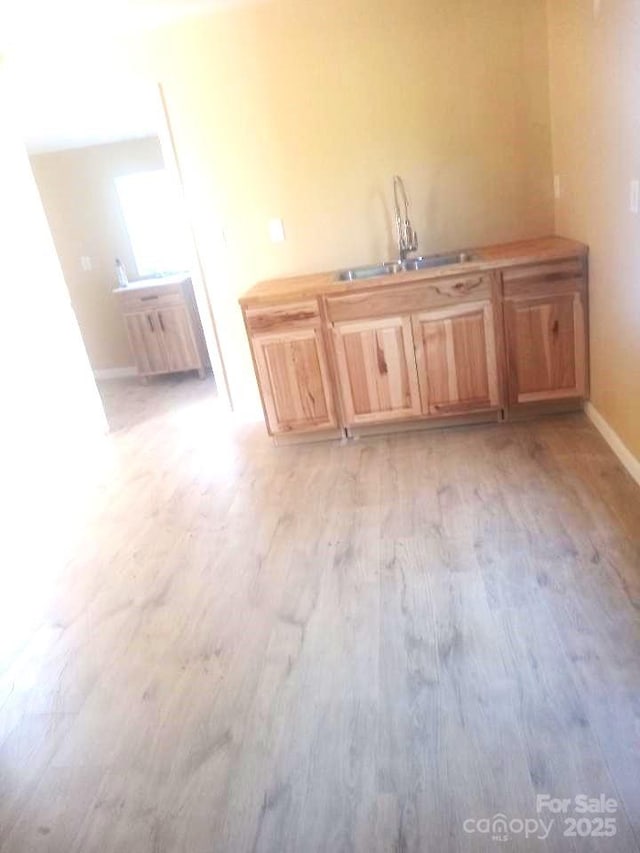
{"x":377,"y":370}
{"x":546,"y":347}
{"x":145,"y":337}
{"x":456,"y":359}
{"x":294,"y":380}
{"x":179,"y":341}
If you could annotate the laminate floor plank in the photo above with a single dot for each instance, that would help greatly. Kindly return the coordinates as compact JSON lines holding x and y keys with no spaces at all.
{"x":343,"y":646}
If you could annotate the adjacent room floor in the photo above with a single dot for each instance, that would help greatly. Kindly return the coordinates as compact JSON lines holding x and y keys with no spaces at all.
{"x":335,"y":647}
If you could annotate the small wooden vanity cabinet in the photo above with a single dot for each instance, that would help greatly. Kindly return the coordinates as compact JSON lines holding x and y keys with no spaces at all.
{"x":503,"y":335}
{"x":163,"y":327}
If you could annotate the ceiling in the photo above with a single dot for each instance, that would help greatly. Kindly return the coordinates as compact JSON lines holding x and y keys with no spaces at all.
{"x":58,"y":114}
{"x":58,"y":103}
{"x":22,"y":21}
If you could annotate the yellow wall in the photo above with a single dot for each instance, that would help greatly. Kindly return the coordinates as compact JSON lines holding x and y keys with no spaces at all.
{"x":79,"y":195}
{"x":595,"y":86}
{"x":305,"y":111}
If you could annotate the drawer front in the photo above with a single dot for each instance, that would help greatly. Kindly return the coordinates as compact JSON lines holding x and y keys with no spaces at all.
{"x":294,"y":315}
{"x":408,"y":299}
{"x":539,"y":279}
{"x":150,"y":298}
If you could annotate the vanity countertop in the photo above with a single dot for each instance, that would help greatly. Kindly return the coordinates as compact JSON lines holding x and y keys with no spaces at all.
{"x":160,"y":281}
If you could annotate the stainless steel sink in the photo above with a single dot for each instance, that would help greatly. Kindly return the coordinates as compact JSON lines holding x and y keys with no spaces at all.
{"x":423,"y":263}
{"x":407,"y":265}
{"x":358,"y":273}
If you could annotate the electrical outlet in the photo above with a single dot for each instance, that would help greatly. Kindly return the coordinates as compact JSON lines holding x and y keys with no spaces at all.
{"x":276,"y":231}
{"x":556,"y":186}
{"x":634,"y":196}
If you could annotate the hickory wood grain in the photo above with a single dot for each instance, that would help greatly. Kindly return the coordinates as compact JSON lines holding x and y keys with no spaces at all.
{"x":486,"y":259}
{"x":504,"y":333}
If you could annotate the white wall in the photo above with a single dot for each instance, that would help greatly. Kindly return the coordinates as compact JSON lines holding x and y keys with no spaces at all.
{"x":52,"y":423}
{"x":48,"y":391}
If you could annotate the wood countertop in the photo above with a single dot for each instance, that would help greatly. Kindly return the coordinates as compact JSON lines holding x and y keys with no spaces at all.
{"x":485,"y":258}
{"x":159,"y":281}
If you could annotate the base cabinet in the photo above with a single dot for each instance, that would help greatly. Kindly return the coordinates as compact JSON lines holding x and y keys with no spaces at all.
{"x":163,"y":327}
{"x":456,"y":359}
{"x":145,"y":338}
{"x":162,"y":341}
{"x":293,"y":376}
{"x":462,"y":347}
{"x":546,"y":347}
{"x":376,"y":370}
{"x":178,"y":339}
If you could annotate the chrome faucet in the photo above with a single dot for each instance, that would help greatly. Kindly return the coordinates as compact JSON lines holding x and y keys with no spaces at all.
{"x":407,"y":237}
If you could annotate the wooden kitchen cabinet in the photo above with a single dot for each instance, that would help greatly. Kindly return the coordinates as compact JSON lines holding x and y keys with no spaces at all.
{"x":143,"y":330}
{"x":545,"y":348}
{"x":456,"y":359}
{"x":293,"y":377}
{"x":501,"y":333}
{"x":178,"y":338}
{"x":376,"y":370}
{"x":545,"y":328}
{"x":163,"y":327}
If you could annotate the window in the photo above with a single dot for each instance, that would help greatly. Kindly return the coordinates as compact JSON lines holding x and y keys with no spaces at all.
{"x":153,"y":214}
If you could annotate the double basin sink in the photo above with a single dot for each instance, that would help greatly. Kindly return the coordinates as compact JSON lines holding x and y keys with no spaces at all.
{"x":406,"y":265}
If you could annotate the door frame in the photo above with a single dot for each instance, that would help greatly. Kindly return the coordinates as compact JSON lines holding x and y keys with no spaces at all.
{"x":198,"y":278}
{"x":171,"y":164}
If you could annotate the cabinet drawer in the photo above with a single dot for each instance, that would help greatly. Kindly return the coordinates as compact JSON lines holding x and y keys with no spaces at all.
{"x":407,"y":299}
{"x":294,"y":315}
{"x":534,"y":280}
{"x":150,"y":298}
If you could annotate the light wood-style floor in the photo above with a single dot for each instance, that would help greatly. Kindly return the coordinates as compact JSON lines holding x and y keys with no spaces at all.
{"x":324,"y":648}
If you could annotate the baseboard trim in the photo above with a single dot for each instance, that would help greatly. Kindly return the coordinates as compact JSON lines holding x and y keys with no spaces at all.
{"x":115,"y":373}
{"x":614,"y":441}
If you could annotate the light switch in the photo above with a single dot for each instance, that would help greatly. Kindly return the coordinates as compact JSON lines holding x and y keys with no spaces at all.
{"x":86,"y":263}
{"x":556,"y":186}
{"x":276,"y":230}
{"x":634,"y":195}
{"x":596,"y":9}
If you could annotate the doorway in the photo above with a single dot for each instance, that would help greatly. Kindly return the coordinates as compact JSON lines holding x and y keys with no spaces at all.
{"x":106,"y":172}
